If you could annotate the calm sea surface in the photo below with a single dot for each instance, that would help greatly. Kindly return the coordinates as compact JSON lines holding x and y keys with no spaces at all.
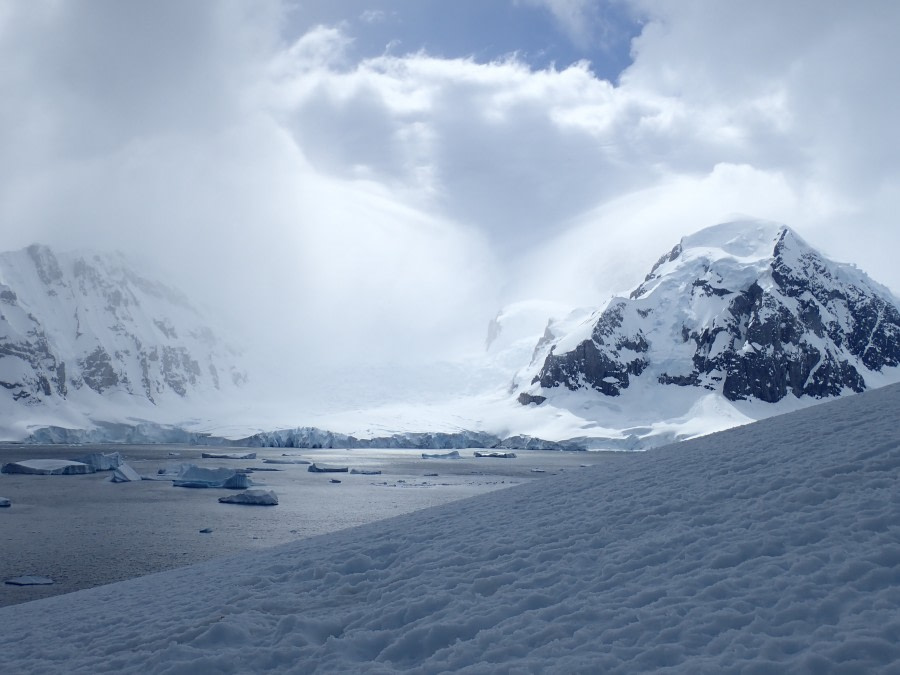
{"x":84,"y":531}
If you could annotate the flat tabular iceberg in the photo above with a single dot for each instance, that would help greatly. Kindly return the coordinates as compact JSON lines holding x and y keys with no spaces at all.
{"x":195,"y":476}
{"x":30,"y":580}
{"x":252,"y":498}
{"x":322,"y":468}
{"x":45,"y":467}
{"x":228,"y":455}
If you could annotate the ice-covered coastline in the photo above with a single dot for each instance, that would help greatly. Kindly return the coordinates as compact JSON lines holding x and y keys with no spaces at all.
{"x":312,"y":437}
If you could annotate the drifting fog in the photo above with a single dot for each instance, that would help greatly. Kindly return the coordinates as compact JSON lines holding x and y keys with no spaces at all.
{"x":348,"y":209}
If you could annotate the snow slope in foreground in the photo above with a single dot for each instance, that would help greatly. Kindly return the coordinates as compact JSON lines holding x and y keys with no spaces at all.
{"x":773,"y":547}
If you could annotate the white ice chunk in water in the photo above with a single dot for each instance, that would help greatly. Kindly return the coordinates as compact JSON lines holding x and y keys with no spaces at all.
{"x":228,"y":455}
{"x":454,"y":454}
{"x":323,"y":468}
{"x":125,"y":473}
{"x":46,"y":467}
{"x":195,"y":476}
{"x":252,"y":498}
{"x":102,"y":461}
{"x":30,"y":580}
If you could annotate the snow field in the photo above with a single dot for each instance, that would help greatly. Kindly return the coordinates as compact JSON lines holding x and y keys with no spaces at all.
{"x":773,"y":547}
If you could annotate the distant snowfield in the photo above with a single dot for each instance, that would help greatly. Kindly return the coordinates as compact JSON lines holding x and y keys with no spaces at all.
{"x":773,"y":547}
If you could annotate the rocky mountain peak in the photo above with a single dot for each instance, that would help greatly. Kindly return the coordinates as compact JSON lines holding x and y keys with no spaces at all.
{"x":747,"y":309}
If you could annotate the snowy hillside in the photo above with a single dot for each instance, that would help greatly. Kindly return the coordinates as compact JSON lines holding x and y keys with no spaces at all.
{"x":81,"y":336}
{"x":770,"y":548}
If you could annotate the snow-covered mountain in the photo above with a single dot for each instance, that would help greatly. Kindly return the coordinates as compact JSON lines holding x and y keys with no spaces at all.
{"x":744,"y":309}
{"x":738,"y":322}
{"x":78,"y":332}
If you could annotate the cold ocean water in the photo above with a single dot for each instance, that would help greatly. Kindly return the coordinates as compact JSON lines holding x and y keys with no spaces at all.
{"x":85,"y":531}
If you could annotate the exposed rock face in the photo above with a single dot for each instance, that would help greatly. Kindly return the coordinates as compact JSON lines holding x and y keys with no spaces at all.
{"x":747,"y":309}
{"x":71,"y":325}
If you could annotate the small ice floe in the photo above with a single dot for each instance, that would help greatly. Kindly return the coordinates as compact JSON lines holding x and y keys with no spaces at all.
{"x":539,"y":471}
{"x":206,"y":530}
{"x":47,"y":467}
{"x":285,"y":461}
{"x":334,"y":480}
{"x":453,"y":454}
{"x":4,"y":502}
{"x":194,"y":476}
{"x":252,"y":498}
{"x":366,"y":472}
{"x":228,"y":455}
{"x":30,"y":580}
{"x":172,"y":469}
{"x":262,"y":468}
{"x":124,"y":473}
{"x":430,"y":475}
{"x":500,"y":455}
{"x":315,"y":468}
{"x":102,"y":461}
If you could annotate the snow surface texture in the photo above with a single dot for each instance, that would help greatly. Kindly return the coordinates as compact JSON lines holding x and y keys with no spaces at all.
{"x":774,"y":547}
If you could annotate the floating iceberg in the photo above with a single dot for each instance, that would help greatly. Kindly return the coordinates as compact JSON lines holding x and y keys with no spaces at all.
{"x":124,"y":473}
{"x":439,"y":455}
{"x":46,"y":467}
{"x":327,"y":469}
{"x":285,"y":461}
{"x":501,"y":455}
{"x":366,"y":472}
{"x":194,"y":476}
{"x":228,"y":455}
{"x":4,"y":502}
{"x":30,"y":580}
{"x":102,"y":461}
{"x":252,"y":498}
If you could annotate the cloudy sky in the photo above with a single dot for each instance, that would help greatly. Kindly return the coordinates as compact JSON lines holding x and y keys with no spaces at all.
{"x":373,"y":179}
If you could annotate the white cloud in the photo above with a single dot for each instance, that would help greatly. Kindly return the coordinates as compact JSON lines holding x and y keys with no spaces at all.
{"x":373,"y":16}
{"x":575,"y":17}
{"x":365,"y":210}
